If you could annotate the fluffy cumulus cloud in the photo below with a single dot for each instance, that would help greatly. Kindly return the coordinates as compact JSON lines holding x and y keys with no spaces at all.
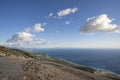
{"x":67,"y":11}
{"x":25,"y":38}
{"x":21,"y":36}
{"x":101,"y":23}
{"x":36,"y":28}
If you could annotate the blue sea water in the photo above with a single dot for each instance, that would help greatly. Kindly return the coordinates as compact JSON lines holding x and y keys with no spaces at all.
{"x":108,"y":59}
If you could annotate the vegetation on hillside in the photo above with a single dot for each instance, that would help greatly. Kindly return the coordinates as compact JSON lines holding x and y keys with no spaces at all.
{"x":8,"y":52}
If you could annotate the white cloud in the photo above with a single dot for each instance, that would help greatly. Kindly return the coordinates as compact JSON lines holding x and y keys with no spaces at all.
{"x":38,"y":28}
{"x":24,"y":39}
{"x":101,"y":23}
{"x":62,"y":13}
{"x":51,"y":14}
{"x":67,"y":11}
{"x":35,"y":28}
{"x":21,"y":36}
{"x":66,"y":22}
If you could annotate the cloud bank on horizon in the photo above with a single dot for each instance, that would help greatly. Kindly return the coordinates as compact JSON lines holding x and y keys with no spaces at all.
{"x":101,"y":23}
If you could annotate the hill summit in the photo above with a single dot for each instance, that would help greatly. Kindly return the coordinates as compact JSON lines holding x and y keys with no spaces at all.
{"x":24,"y":65}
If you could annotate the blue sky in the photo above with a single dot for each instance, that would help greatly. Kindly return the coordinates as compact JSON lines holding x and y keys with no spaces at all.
{"x":62,"y":30}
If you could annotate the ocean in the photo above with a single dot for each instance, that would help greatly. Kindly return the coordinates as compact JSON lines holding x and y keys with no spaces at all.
{"x":108,"y":59}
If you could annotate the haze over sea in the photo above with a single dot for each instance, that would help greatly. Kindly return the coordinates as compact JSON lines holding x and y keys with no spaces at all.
{"x":108,"y":59}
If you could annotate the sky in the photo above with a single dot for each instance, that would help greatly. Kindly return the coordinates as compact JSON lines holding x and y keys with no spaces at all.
{"x":60,"y":23}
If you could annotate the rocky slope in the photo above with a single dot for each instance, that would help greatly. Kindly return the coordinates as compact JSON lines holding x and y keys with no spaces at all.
{"x":22,"y":65}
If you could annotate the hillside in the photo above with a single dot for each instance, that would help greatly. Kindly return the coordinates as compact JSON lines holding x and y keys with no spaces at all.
{"x":22,"y":65}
